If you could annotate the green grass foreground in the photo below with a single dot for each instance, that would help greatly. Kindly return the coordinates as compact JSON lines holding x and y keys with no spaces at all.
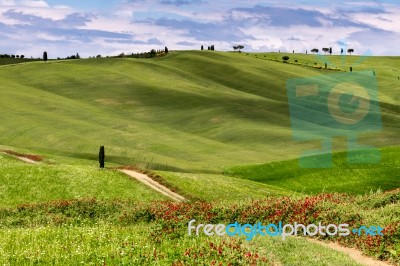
{"x":72,"y":179}
{"x":123,"y":232}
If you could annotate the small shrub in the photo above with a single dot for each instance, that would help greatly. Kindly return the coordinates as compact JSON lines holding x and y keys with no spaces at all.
{"x":285,"y":58}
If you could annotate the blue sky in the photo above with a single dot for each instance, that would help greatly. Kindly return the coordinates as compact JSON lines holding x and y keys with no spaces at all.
{"x":110,"y":27}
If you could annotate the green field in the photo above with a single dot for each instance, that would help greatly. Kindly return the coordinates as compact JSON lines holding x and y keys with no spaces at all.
{"x":14,"y":61}
{"x":188,"y":111}
{"x":343,"y":177}
{"x":65,"y":179}
{"x":215,"y":127}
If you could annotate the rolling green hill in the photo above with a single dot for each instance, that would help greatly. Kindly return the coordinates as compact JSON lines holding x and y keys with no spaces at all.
{"x":188,"y":111}
{"x":14,"y":61}
{"x":60,"y":178}
{"x":342,"y":178}
{"x":188,"y":116}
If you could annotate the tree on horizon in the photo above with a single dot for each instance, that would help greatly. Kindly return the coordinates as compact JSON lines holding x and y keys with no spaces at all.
{"x":45,"y":56}
{"x":350,"y":51}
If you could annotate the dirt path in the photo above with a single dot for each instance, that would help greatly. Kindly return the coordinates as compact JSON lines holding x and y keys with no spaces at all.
{"x":27,"y":160}
{"x":153,"y":184}
{"x":352,"y":252}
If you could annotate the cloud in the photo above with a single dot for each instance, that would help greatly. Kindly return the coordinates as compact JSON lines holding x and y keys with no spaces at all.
{"x":34,"y":3}
{"x":152,"y":41}
{"x":70,"y":21}
{"x":186,"y":43}
{"x":291,"y":38}
{"x":180,"y":2}
{"x":25,"y":3}
{"x":228,"y":31}
{"x":140,"y":25}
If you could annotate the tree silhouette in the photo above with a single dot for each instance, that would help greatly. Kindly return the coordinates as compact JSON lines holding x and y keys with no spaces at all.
{"x":102,"y":156}
{"x":315,"y":50}
{"x":166,"y":50}
{"x":285,"y":58}
{"x":350,"y":51}
{"x":330,"y":50}
{"x":45,"y":56}
{"x":341,"y":51}
{"x":325,"y":50}
{"x":235,"y":48}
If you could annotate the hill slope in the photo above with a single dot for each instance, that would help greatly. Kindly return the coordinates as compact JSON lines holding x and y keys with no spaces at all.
{"x":189,"y":110}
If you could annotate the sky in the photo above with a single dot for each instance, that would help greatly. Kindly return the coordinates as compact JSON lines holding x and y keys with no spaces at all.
{"x":111,"y":27}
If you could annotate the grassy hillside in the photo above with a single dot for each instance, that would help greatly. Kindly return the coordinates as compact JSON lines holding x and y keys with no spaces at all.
{"x":65,"y":179}
{"x":190,"y":116}
{"x":188,"y":111}
{"x":13,"y":61}
{"x":387,"y":68}
{"x":220,"y":188}
{"x":343,"y":177}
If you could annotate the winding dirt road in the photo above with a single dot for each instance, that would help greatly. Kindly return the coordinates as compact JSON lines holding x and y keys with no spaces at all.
{"x":145,"y":179}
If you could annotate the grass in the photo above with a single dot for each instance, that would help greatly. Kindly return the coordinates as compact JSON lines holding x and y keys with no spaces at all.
{"x":69,"y":245}
{"x":94,"y":232}
{"x":343,"y":177}
{"x":211,"y":187}
{"x":386,"y":68}
{"x":115,"y":245}
{"x":188,"y":111}
{"x":13,"y":61}
{"x":23,"y":183}
{"x":190,"y":117}
{"x":298,"y":251}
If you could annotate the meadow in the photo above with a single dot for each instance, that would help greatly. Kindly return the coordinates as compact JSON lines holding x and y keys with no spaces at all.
{"x":215,"y":127}
{"x":188,"y":112}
